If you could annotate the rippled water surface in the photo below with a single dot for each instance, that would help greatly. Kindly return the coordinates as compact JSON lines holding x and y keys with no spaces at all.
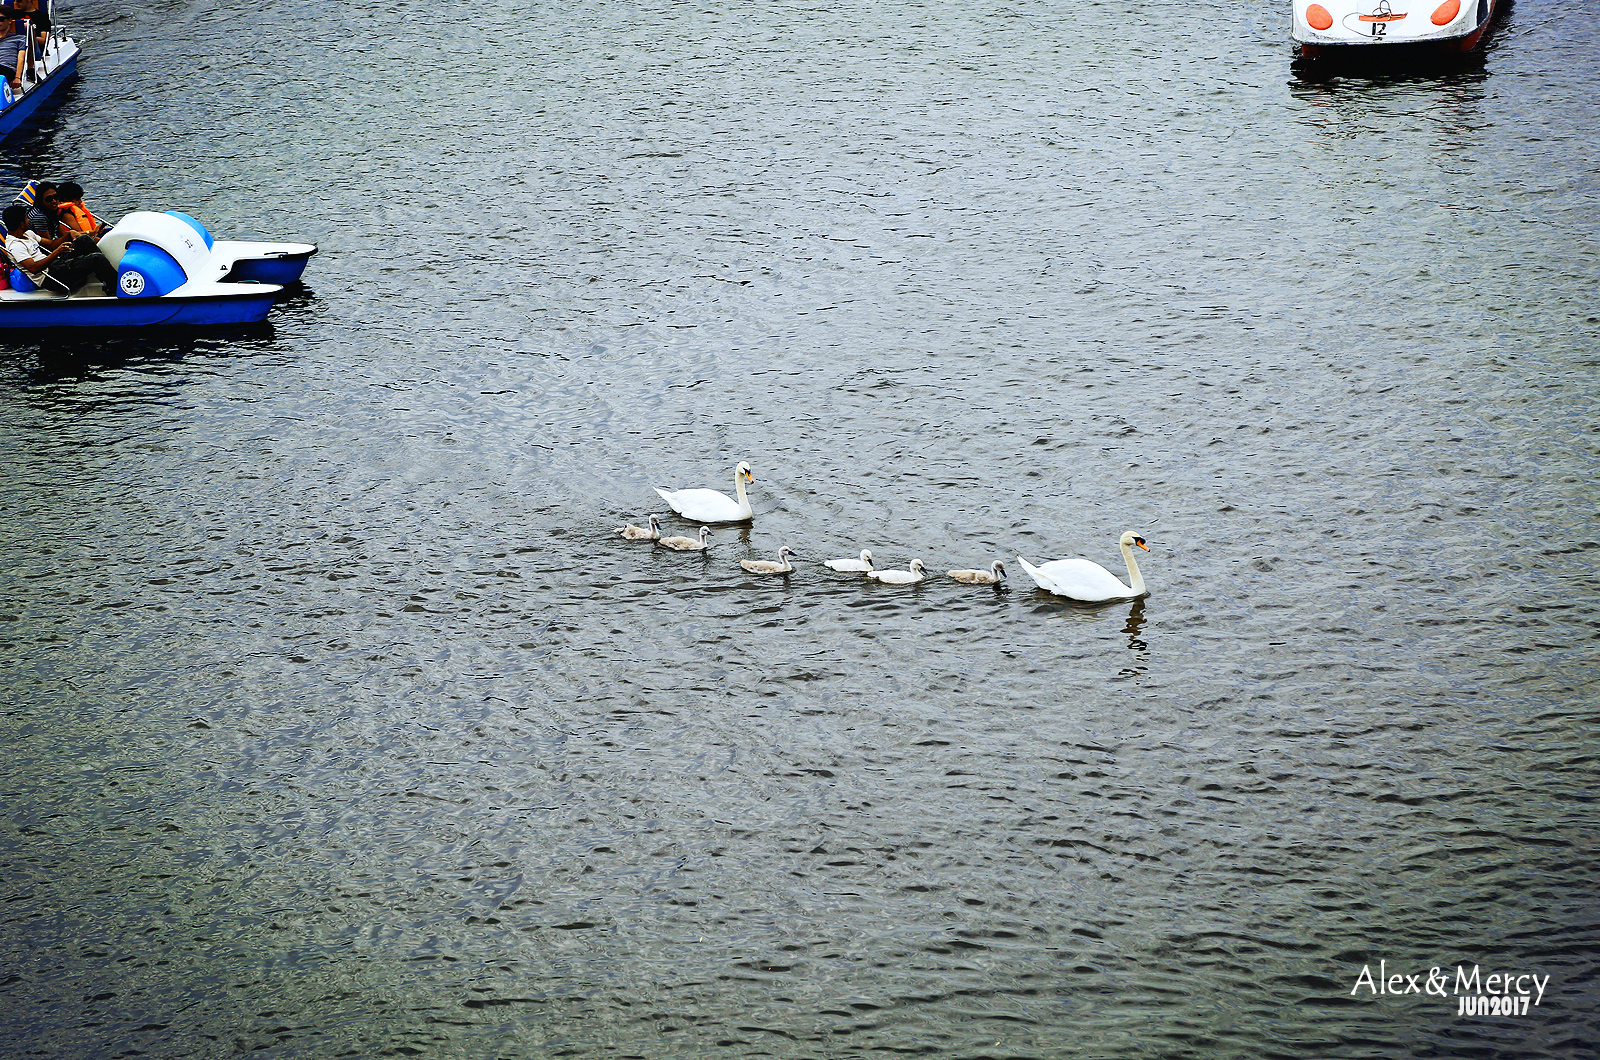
{"x":340,"y":723}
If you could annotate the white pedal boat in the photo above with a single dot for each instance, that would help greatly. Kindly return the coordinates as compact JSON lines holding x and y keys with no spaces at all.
{"x":1375,"y":29}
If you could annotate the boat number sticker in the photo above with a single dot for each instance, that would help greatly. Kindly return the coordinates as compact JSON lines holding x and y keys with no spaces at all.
{"x":1378,"y":22}
{"x":132,"y":283}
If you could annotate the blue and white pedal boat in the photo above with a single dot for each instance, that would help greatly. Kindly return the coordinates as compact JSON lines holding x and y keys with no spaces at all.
{"x":170,"y":271}
{"x":41,"y":77}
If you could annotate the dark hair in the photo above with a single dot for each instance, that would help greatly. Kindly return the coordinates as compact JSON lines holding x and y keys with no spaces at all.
{"x":70,"y":190}
{"x":16,"y":216}
{"x":45,"y":185}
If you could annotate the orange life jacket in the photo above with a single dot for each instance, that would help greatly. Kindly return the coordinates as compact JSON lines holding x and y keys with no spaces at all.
{"x":77,"y":215}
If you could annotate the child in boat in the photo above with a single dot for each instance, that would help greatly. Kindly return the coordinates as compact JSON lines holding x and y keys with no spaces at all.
{"x":74,"y":214}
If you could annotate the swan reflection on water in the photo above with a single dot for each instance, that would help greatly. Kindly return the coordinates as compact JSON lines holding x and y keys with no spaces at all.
{"x":1134,"y":625}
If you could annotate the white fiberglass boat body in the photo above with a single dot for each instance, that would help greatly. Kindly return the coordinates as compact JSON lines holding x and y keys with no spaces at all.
{"x":1326,"y":28}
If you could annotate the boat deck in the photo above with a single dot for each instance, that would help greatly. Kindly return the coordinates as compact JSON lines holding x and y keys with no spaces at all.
{"x":92,"y":289}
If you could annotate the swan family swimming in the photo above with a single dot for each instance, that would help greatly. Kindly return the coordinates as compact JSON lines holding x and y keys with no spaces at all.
{"x":1076,"y":579}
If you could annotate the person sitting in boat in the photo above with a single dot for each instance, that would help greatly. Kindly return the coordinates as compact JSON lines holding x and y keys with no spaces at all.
{"x":74,"y":214}
{"x":13,"y":50}
{"x":44,"y":216}
{"x":70,"y":265}
{"x":38,"y":17}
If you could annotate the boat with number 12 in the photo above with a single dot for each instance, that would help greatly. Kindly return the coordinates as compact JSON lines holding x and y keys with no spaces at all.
{"x":1395,"y":30}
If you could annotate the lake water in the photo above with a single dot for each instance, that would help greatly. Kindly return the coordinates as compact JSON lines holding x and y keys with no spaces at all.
{"x":340,"y":722}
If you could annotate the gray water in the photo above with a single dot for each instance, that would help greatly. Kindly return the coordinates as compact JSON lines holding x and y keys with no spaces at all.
{"x":339,"y":722}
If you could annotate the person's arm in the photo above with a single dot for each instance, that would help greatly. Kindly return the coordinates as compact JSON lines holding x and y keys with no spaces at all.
{"x":41,"y":264}
{"x":37,"y":264}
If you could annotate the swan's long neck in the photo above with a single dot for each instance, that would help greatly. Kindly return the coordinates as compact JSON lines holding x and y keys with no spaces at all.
{"x":1135,"y":579}
{"x":738,"y":488}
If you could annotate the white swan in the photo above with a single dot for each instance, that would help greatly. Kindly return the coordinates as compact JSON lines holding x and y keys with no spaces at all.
{"x":639,"y":533}
{"x":898,"y":577}
{"x":994,"y":575}
{"x":767,"y":566}
{"x":1080,"y":579}
{"x":687,"y":544}
{"x":710,"y":506}
{"x":852,"y":566}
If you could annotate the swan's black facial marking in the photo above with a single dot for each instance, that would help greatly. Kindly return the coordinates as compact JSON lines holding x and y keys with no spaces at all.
{"x":1140,"y":542}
